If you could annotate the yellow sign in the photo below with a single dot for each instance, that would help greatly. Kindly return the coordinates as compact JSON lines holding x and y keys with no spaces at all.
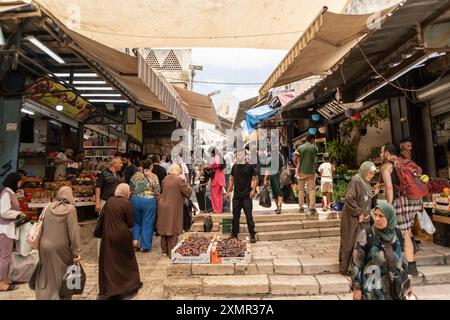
{"x":135,"y":130}
{"x":51,"y":94}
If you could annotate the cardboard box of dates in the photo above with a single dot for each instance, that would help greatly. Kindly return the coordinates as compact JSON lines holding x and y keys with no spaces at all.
{"x":193,"y":250}
{"x":230,"y":251}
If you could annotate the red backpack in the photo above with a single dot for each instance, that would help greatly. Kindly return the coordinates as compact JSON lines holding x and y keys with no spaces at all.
{"x":410,"y":185}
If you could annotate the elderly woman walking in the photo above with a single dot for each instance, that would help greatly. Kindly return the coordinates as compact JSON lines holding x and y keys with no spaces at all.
{"x":59,"y":246}
{"x":145,"y":188}
{"x":118,"y":268}
{"x":9,"y":211}
{"x":356,"y":212}
{"x":170,"y":208}
{"x":379,"y":267}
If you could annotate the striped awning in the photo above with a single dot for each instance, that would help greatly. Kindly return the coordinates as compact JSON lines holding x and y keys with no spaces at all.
{"x":322,"y":46}
{"x":163,"y":90}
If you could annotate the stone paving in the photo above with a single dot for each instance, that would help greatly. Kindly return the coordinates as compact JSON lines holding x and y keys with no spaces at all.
{"x":288,"y":269}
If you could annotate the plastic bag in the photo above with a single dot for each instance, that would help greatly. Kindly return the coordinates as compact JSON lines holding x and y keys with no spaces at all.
{"x":264,"y":198}
{"x":22,"y":246}
{"x":21,"y":267}
{"x":208,"y":224}
{"x":425,"y":222}
{"x":74,"y":281}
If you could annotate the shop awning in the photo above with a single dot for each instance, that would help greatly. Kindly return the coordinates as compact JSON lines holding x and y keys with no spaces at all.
{"x":123,"y":70}
{"x":12,"y":6}
{"x":265,"y":24}
{"x":198,"y":106}
{"x":140,"y":83}
{"x":326,"y":41}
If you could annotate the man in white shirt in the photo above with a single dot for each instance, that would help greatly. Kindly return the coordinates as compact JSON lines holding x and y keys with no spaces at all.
{"x":62,"y":160}
{"x":326,"y":181}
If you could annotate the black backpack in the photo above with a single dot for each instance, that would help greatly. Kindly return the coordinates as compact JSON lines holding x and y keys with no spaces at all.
{"x":187,"y":214}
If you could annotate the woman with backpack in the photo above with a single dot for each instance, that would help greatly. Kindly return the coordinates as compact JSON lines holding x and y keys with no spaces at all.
{"x":218,"y":182}
{"x":355,"y":214}
{"x":379,"y":268}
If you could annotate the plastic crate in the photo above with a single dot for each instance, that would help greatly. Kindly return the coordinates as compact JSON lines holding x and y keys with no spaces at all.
{"x":442,"y":234}
{"x":227,"y":226}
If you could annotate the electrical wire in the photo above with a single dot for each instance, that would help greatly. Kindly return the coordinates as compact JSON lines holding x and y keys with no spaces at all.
{"x":222,"y":83}
{"x":194,"y":38}
{"x":398,"y":87}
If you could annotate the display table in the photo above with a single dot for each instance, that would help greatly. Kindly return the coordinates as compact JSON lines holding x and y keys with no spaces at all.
{"x":77,"y":204}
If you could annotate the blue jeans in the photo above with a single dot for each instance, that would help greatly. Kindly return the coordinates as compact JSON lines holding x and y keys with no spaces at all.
{"x":144,"y":210}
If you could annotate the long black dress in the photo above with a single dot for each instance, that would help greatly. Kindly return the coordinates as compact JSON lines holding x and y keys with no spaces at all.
{"x":118,"y":267}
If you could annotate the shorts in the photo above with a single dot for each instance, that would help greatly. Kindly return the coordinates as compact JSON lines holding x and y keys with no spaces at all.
{"x":406,"y":210}
{"x":326,"y":187}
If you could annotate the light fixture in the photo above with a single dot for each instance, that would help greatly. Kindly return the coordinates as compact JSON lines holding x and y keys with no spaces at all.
{"x":59,"y":107}
{"x":101,"y":95}
{"x":95,"y":88}
{"x":394,"y":64}
{"x":108,"y":101}
{"x":77,"y":75}
{"x":55,"y":123}
{"x":310,"y":109}
{"x":27,"y":111}
{"x":89,"y":82}
{"x":2,"y":37}
{"x":398,"y":75}
{"x":376,"y":76}
{"x":45,"y":49}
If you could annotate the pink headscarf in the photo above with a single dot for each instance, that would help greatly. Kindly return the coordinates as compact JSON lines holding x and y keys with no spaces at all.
{"x":123,"y":190}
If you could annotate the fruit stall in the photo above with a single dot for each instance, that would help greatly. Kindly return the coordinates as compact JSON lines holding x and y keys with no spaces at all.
{"x":440,"y":191}
{"x":211,"y":250}
{"x":37,"y":193}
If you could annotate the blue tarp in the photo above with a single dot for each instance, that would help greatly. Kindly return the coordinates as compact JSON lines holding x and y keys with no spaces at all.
{"x":254,"y":116}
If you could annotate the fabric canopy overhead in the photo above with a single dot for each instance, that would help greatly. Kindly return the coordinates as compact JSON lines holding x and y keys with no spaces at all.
{"x":12,"y":6}
{"x":140,"y":82}
{"x":265,"y":24}
{"x":328,"y":39}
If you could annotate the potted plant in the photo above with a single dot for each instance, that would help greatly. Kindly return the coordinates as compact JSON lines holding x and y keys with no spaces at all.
{"x":339,"y":192}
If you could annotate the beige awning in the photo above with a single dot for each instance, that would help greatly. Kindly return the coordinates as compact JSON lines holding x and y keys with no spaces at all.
{"x":12,"y":5}
{"x":265,"y":24}
{"x":198,"y":106}
{"x":326,"y":41}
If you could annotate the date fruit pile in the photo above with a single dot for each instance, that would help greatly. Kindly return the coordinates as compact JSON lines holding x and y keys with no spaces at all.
{"x":193,"y":247}
{"x":231,"y":248}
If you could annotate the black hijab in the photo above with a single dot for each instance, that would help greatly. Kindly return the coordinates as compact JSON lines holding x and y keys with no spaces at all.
{"x":12,"y":180}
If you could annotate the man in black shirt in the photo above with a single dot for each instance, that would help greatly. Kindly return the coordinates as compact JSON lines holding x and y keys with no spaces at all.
{"x":244,"y":180}
{"x":129,"y":169}
{"x":107,"y":182}
{"x":159,"y":170}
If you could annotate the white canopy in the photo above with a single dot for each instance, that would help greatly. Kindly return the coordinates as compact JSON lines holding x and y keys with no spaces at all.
{"x":265,"y":24}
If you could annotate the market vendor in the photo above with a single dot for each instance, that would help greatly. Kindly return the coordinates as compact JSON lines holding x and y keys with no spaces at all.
{"x":62,"y":160}
{"x":107,"y":182}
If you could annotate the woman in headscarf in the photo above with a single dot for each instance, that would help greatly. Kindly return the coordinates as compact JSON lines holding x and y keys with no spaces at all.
{"x":378,"y":259}
{"x":9,"y":211}
{"x":356,"y":212}
{"x":170,"y":208}
{"x":118,"y":268}
{"x":145,"y":189}
{"x":218,"y":182}
{"x":59,"y":246}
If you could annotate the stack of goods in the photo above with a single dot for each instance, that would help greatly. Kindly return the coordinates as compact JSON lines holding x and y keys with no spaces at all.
{"x":192,"y":250}
{"x":231,"y":251}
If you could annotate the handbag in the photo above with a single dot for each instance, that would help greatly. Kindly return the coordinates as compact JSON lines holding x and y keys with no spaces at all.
{"x":36,"y":231}
{"x":74,"y":281}
{"x":264,"y":198}
{"x":98,"y":230}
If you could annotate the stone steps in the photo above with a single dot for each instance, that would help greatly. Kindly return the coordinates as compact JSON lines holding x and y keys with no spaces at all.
{"x":256,"y":285}
{"x":281,"y":286}
{"x":268,"y":217}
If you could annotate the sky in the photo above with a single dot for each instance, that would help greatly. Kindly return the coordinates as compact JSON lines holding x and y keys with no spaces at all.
{"x":234,"y":65}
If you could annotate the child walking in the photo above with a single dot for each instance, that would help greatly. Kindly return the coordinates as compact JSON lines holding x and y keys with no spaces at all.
{"x":326,"y":181}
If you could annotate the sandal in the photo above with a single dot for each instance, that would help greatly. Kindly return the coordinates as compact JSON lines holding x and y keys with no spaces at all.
{"x":11,"y":287}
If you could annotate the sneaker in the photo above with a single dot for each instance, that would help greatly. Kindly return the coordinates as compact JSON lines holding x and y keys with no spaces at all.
{"x":312,"y":211}
{"x":146,"y":250}
{"x":253,"y":239}
{"x":301,"y":210}
{"x":412,"y":269}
